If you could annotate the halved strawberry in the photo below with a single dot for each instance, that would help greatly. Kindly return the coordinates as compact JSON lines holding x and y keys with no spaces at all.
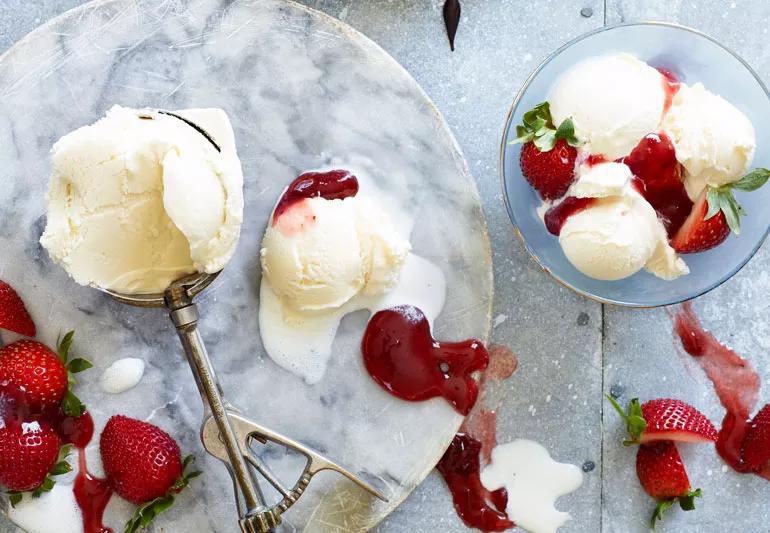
{"x":665,"y":419}
{"x":715,"y":213}
{"x":663,"y":476}
{"x":699,"y":231}
{"x":548,"y":156}
{"x":756,"y":443}
{"x":13,"y":315}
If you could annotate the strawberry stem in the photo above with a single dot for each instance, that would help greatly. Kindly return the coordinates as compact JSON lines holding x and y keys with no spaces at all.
{"x":633,"y":418}
{"x":686,"y":502}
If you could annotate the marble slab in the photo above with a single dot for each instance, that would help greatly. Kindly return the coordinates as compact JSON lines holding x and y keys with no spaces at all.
{"x":302,"y":90}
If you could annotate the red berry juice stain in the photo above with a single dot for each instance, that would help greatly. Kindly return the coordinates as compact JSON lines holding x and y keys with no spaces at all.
{"x":671,"y":85}
{"x":557,"y":216}
{"x":402,"y":356}
{"x":477,"y":507}
{"x":735,"y":382}
{"x":595,"y":159}
{"x":331,"y":185}
{"x":658,"y":177}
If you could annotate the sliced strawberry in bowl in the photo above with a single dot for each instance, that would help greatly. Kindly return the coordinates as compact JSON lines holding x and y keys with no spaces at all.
{"x":663,"y":476}
{"x":548,"y":156}
{"x":664,"y":419}
{"x":13,"y":314}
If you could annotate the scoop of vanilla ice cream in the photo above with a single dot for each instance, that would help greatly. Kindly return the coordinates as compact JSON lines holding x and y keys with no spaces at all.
{"x":135,"y":203}
{"x":321,"y":253}
{"x":714,"y":141}
{"x":613,"y":101}
{"x":620,"y":234}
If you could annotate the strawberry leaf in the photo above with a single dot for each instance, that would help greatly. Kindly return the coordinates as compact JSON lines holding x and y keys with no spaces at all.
{"x":14,"y":497}
{"x":687,"y":502}
{"x":712,"y":197}
{"x":62,"y":467}
{"x":546,"y":141}
{"x":63,"y":346}
{"x":660,"y":509}
{"x":566,"y":131}
{"x":753,"y":180}
{"x":79,"y":365}
{"x":146,"y":513}
{"x":537,"y":126}
{"x":730,"y":208}
{"x":71,"y":405}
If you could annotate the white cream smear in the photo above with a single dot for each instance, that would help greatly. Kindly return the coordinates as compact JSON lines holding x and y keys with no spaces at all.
{"x":301,"y":342}
{"x":56,"y":510}
{"x":122,"y":375}
{"x":534,"y":482}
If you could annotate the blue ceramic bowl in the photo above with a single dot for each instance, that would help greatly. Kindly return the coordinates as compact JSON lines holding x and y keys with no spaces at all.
{"x":693,"y":57}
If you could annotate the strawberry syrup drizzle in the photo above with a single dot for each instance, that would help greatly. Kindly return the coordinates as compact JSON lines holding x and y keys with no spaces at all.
{"x":91,"y":493}
{"x":331,"y":185}
{"x":477,"y":507}
{"x":735,"y":382}
{"x":671,"y":85}
{"x":557,"y":216}
{"x":404,"y":359}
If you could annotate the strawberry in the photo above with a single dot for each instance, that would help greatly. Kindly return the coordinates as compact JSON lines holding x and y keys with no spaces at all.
{"x":662,"y":475}
{"x":701,"y":232}
{"x":548,"y":156}
{"x":29,"y":452}
{"x":144,"y":466}
{"x":42,"y":375}
{"x":13,"y":315}
{"x":716,"y":212}
{"x":756,"y":443}
{"x":665,"y":419}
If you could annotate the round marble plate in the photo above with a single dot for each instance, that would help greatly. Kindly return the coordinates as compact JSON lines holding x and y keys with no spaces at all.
{"x":302,"y":90}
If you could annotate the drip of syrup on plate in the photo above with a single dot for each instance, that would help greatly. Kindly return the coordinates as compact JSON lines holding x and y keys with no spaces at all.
{"x":735,"y":382}
{"x":557,"y":216}
{"x":402,"y":356}
{"x":658,"y":177}
{"x":671,"y":85}
{"x":331,"y":185}
{"x":477,"y":507}
{"x":91,"y":493}
{"x":452,"y":11}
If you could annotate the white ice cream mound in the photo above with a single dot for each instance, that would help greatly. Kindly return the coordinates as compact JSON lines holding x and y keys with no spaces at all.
{"x":324,"y":259}
{"x":614,"y":101}
{"x":136,"y":203}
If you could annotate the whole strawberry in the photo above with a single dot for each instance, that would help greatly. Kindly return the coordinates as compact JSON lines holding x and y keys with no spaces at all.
{"x":13,"y":315}
{"x":756,"y":443}
{"x":663,"y":476}
{"x":548,"y":156}
{"x":41,"y":375}
{"x":665,"y":419}
{"x":29,"y":452}
{"x":143,"y":465}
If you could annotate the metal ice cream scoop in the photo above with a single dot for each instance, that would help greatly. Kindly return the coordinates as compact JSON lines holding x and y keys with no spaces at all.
{"x":225,"y":433}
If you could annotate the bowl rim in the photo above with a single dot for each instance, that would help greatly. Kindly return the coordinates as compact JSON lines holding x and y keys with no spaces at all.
{"x":503,"y":144}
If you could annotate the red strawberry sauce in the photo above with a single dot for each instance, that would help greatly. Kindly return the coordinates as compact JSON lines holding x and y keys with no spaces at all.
{"x":332,"y":185}
{"x":735,"y":382}
{"x":658,"y":177}
{"x":461,"y":467}
{"x":556,"y":216}
{"x":404,"y":359}
{"x":91,"y":493}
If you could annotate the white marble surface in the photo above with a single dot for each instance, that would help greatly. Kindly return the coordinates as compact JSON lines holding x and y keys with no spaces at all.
{"x":302,"y":91}
{"x":555,"y":397}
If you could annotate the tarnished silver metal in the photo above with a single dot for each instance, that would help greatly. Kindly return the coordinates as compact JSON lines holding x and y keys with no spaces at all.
{"x":226,"y":434}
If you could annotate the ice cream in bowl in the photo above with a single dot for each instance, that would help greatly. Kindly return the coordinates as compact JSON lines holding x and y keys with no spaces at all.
{"x":634,"y":172}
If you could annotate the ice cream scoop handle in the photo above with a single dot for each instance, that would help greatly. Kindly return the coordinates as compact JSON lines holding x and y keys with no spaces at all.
{"x":184,"y":314}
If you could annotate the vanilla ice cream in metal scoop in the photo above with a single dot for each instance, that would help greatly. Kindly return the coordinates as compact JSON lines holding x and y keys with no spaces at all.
{"x":135,"y":202}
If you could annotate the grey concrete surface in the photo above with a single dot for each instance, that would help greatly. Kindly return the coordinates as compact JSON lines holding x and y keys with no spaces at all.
{"x":570,"y":349}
